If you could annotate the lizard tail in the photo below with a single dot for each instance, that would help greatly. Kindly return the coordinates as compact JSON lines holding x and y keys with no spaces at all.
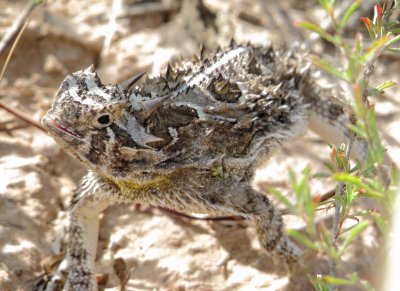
{"x":332,"y":126}
{"x":329,"y":120}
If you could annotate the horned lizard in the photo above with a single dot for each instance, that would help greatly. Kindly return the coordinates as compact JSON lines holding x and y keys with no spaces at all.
{"x":189,"y":139}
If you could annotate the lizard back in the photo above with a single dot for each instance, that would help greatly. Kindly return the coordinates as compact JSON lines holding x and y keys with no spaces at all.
{"x":230,"y":106}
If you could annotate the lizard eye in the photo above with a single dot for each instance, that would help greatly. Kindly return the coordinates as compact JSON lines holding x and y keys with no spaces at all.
{"x":104,"y":120}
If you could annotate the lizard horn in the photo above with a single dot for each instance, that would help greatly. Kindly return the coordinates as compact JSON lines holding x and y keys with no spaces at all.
{"x":145,"y":108}
{"x":126,"y":85}
{"x":90,"y":69}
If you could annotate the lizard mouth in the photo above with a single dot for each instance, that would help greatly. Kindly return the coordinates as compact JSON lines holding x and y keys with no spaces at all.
{"x":51,"y":124}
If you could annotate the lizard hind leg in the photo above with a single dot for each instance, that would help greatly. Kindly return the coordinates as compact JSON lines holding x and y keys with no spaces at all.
{"x":245,"y":201}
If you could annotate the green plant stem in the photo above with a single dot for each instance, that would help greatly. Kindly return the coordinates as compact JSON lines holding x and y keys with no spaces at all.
{"x":368,"y":72}
{"x":338,"y":208}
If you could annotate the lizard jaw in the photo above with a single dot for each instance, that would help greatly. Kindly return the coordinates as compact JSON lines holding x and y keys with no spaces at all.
{"x":51,"y":125}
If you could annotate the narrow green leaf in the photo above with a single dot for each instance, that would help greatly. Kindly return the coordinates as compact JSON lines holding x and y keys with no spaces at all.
{"x":353,"y":67}
{"x":317,"y":29}
{"x":303,"y":192}
{"x":393,"y":49}
{"x":386,"y":85}
{"x":359,"y":104}
{"x":393,"y":41}
{"x":344,"y":177}
{"x":346,"y":16}
{"x":292,"y":178}
{"x":354,"y":232}
{"x":328,"y":67}
{"x":330,"y":167}
{"x":376,"y":47}
{"x":350,"y":194}
{"x":282,"y":198}
{"x":382,"y":223}
{"x":321,"y":175}
{"x":369,"y":26}
{"x":391,"y":24}
{"x":394,"y":173}
{"x":339,"y":281}
{"x":377,"y":148}
{"x":319,"y":284}
{"x":325,"y":4}
{"x":358,"y":131}
{"x":395,"y":30}
{"x":303,"y":239}
{"x":375,"y":92}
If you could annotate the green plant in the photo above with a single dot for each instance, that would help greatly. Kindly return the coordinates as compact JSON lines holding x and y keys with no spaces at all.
{"x":354,"y":66}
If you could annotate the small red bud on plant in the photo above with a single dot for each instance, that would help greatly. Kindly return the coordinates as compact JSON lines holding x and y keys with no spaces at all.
{"x":378,"y":12}
{"x":370,"y":26}
{"x":378,"y":19}
{"x":367,"y":22}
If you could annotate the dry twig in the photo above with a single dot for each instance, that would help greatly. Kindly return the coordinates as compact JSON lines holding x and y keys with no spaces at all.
{"x":17,"y":25}
{"x":22,"y":116}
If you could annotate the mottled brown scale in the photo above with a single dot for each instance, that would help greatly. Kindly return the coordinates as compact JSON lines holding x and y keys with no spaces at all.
{"x":203,"y":53}
{"x":171,"y":74}
{"x":224,"y":90}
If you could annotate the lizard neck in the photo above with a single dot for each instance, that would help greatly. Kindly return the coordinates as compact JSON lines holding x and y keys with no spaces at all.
{"x":147,"y":187}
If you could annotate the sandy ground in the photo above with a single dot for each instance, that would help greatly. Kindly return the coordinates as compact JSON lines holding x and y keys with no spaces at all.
{"x":159,"y":252}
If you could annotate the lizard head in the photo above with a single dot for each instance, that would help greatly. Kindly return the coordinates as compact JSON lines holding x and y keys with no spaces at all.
{"x":102,"y":126}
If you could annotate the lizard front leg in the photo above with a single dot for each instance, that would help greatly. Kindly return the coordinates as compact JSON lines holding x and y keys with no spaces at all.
{"x":90,"y":200}
{"x":82,"y":245}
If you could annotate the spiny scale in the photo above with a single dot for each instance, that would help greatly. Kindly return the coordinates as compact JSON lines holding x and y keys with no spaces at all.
{"x":189,"y":140}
